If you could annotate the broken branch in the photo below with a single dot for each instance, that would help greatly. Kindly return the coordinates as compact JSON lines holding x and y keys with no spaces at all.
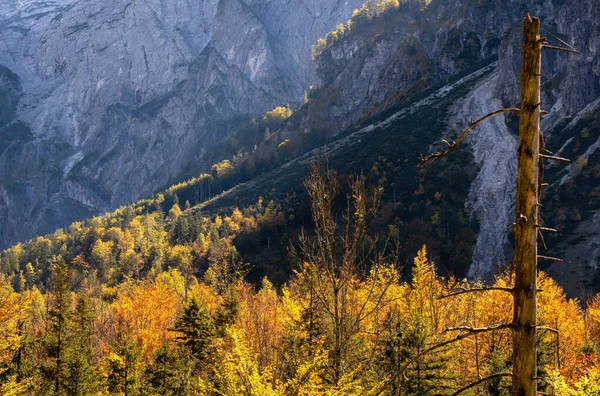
{"x":546,"y":229}
{"x":434,"y":157}
{"x":543,"y":240}
{"x":544,"y":328}
{"x":475,"y":290}
{"x":553,"y":158}
{"x":553,"y":47}
{"x":475,"y":330}
{"x":548,"y":258}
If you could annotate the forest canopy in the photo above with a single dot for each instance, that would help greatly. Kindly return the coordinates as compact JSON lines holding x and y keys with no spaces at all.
{"x":158,"y":304}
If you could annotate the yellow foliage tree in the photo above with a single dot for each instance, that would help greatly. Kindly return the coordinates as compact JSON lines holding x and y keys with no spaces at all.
{"x":175,"y":211}
{"x":237,"y":372}
{"x":260,"y":319}
{"x":143,"y":314}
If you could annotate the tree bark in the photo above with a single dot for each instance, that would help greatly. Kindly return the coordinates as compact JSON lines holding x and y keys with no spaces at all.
{"x":524,"y":334}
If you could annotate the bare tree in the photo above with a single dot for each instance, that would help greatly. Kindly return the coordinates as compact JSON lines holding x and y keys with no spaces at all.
{"x":527,"y":215}
{"x":336,"y":256}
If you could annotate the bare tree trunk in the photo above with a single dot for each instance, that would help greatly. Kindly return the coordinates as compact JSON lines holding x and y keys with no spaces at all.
{"x":524,"y":334}
{"x":527,"y":224}
{"x":58,"y":353}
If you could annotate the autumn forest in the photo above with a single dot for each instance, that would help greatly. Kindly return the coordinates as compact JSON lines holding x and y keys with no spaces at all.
{"x":354,"y":242}
{"x":150,"y":304}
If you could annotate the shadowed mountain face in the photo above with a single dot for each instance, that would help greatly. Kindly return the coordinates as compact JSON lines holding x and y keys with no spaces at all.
{"x":102,"y":102}
{"x":399,"y":56}
{"x":402,"y":55}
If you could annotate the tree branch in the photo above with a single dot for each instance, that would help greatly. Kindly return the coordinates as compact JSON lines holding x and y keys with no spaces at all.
{"x":476,"y":330}
{"x":544,"y":328}
{"x":474,"y":384}
{"x":462,"y":290}
{"x":546,"y":229}
{"x":459,"y":337}
{"x":553,"y":158}
{"x":553,"y":47}
{"x":550,"y":259}
{"x":434,"y":157}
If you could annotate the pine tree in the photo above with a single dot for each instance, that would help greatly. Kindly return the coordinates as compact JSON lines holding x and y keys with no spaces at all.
{"x":497,"y":364}
{"x":58,"y":316}
{"x":196,"y":330}
{"x":427,"y":376}
{"x":122,"y":369}
{"x":403,"y":340}
{"x":228,"y":311}
{"x":169,"y":373}
{"x":81,"y":378}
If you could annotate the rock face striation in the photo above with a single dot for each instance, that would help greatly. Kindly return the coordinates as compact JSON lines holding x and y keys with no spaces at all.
{"x":102,"y":102}
{"x":492,"y":194}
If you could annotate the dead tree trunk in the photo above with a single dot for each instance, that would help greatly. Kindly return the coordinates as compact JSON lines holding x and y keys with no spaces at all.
{"x":527,"y":205}
{"x":527,"y":225}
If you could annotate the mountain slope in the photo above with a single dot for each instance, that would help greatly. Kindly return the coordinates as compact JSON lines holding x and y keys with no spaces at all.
{"x":446,"y":39}
{"x":116,"y":99}
{"x":390,"y":60}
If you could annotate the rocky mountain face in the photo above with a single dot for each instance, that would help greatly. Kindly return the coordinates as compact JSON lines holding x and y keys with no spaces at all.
{"x":402,"y":54}
{"x":103,"y":102}
{"x":413,"y":49}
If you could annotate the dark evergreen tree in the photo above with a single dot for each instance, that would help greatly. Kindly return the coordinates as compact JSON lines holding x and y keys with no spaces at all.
{"x":122,"y":376}
{"x":402,"y":342}
{"x":497,"y":364}
{"x":81,"y":377}
{"x":56,"y":343}
{"x":169,"y":374}
{"x":228,"y":311}
{"x":196,"y":330}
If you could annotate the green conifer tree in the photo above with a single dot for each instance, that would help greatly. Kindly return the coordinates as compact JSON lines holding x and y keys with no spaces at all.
{"x":169,"y":373}
{"x":227,"y":313}
{"x":122,"y":375}
{"x":57,"y":341}
{"x":401,"y":343}
{"x":196,"y":330}
{"x":81,"y":378}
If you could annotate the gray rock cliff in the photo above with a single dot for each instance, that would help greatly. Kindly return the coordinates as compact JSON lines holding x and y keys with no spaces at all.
{"x":103,"y":102}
